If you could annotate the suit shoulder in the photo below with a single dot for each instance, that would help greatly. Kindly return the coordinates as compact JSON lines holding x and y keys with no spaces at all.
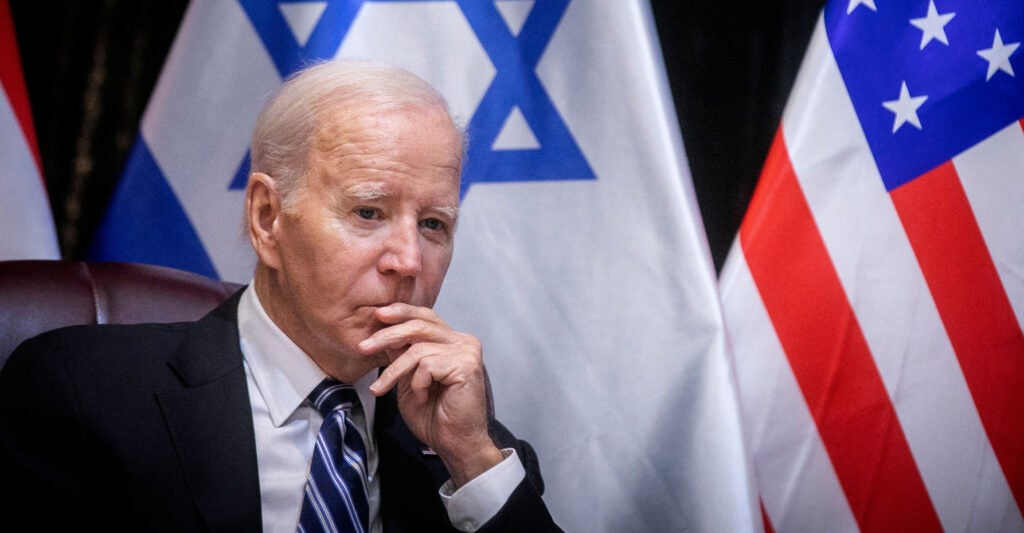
{"x":94,"y":344}
{"x":79,"y":338}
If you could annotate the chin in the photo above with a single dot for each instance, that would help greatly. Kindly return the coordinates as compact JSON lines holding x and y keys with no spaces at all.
{"x":380,"y":360}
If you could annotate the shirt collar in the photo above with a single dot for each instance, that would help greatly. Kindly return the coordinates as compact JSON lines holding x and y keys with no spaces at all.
{"x":282,"y":372}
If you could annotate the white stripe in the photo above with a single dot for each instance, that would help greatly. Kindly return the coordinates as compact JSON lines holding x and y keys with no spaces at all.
{"x":992,"y":174}
{"x":332,"y":472}
{"x":327,"y":392}
{"x":28,"y":231}
{"x":318,"y":505}
{"x":355,"y":463}
{"x":882,"y":280}
{"x":348,"y":457}
{"x":797,"y":484}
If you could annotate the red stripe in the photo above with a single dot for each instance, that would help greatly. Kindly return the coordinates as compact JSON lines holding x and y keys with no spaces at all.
{"x":829,"y":355}
{"x":12,"y":81}
{"x":974,"y":307}
{"x":767,"y":521}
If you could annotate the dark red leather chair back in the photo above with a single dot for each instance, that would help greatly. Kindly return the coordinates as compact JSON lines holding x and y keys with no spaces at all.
{"x":37,"y":296}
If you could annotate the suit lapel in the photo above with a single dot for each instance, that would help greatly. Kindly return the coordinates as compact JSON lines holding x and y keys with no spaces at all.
{"x":409,"y":477}
{"x":210,"y":423}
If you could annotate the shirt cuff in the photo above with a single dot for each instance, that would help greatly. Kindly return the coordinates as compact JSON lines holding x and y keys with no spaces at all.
{"x":478,"y":501}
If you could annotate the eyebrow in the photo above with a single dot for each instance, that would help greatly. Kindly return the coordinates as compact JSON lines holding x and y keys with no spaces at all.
{"x":369,"y":192}
{"x":450,"y":212}
{"x":366,"y":192}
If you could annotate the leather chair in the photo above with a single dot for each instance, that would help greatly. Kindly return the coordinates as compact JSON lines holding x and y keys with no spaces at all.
{"x":37,"y":296}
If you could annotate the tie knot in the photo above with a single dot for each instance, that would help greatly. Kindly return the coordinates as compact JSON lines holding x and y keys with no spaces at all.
{"x":331,"y":395}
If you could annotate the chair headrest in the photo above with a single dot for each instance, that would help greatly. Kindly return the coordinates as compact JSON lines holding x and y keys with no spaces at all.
{"x":40,"y":295}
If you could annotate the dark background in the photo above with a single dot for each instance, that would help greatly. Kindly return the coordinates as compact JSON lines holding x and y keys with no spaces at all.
{"x":90,"y":66}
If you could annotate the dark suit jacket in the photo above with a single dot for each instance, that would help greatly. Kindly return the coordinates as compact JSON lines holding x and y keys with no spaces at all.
{"x":148,"y":427}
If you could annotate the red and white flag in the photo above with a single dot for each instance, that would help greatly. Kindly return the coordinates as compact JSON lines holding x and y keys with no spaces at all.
{"x":28,"y":231}
{"x":875,"y":295}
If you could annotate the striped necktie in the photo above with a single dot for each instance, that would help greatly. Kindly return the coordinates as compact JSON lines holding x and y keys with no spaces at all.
{"x":336,"y":498}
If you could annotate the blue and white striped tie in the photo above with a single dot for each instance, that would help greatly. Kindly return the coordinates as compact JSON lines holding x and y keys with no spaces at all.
{"x":336,"y":499}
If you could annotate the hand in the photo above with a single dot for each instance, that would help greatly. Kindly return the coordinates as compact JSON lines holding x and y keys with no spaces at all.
{"x":441,"y":387}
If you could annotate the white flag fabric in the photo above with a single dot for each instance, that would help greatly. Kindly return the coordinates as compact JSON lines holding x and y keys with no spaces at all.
{"x":580,"y":260}
{"x":874,"y":297}
{"x":28,"y":231}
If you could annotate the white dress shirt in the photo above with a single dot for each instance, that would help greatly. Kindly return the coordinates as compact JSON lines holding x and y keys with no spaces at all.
{"x":280,"y":376}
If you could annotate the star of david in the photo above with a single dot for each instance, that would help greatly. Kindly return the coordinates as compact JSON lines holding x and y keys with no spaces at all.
{"x":515,"y":88}
{"x":284,"y":49}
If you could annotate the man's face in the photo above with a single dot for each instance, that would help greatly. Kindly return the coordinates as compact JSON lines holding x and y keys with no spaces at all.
{"x":373,"y":225}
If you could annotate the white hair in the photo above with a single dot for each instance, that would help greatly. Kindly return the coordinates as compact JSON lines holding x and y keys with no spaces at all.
{"x":286,"y":129}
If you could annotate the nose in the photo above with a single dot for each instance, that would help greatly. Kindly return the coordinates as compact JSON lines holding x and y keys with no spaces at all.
{"x":403,"y":254}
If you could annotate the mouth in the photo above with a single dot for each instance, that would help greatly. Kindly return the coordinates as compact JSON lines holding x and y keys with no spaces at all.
{"x":397,"y":299}
{"x":372,"y":308}
{"x":369,"y":313}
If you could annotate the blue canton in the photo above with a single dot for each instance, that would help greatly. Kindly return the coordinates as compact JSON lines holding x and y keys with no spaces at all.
{"x":515,"y":85}
{"x":922,"y":101}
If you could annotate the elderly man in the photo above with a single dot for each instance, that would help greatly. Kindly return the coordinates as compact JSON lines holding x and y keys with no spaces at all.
{"x":269,"y":412}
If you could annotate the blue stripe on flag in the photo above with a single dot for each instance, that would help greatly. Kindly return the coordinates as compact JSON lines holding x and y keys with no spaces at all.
{"x":879,"y":50}
{"x":146,"y":223}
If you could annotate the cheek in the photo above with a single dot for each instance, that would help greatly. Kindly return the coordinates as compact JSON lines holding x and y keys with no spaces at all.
{"x":444,"y":258}
{"x":332,"y":252}
{"x":435,"y":269}
{"x":345,"y":276}
{"x":317,"y":268}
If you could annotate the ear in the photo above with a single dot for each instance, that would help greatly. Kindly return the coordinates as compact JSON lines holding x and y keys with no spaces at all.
{"x":263,"y":212}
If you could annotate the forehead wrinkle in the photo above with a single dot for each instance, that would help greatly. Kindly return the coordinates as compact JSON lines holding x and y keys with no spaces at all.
{"x":368,"y":158}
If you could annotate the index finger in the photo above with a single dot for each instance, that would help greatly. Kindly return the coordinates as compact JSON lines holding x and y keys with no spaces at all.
{"x":402,"y":312}
{"x":402,"y":366}
{"x":405,"y":333}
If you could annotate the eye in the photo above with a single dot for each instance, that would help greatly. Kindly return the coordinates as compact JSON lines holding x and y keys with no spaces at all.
{"x":367,"y":213}
{"x":432,"y":224}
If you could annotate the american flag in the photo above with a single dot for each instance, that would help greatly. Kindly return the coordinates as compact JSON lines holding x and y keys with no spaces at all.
{"x":875,"y":295}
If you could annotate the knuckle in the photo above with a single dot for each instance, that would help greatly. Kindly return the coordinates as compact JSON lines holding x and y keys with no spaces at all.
{"x":467,"y":340}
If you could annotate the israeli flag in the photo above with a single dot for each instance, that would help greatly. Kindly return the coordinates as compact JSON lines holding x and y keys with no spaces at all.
{"x":580,"y":261}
